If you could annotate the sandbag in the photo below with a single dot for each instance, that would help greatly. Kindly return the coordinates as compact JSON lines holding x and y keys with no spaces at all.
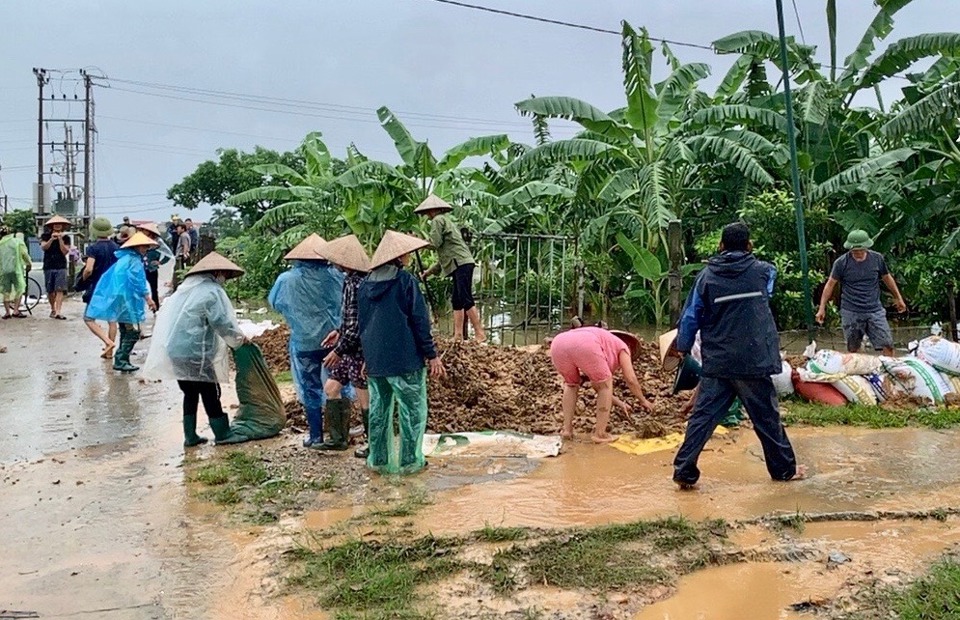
{"x":822,"y":393}
{"x":856,"y":389}
{"x":940,"y":353}
{"x":784,"y":381}
{"x":917,"y":378}
{"x":827,"y":362}
{"x":261,"y":413}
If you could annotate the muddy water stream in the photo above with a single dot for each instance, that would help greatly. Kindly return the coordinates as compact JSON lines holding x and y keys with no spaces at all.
{"x":98,"y":520}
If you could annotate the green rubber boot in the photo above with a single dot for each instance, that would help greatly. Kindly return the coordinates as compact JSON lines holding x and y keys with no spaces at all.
{"x":190,"y":437}
{"x":221,"y":431}
{"x":364,"y":451}
{"x":121,"y":359}
{"x":336,"y":415}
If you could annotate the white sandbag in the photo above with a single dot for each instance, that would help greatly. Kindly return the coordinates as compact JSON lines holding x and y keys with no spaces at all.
{"x":783,"y":382}
{"x":827,"y":362}
{"x":917,"y":378}
{"x":856,"y":389}
{"x":940,"y":353}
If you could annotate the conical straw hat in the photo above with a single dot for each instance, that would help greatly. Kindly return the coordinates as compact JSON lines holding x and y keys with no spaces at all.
{"x":150,"y":227}
{"x":138,"y":240}
{"x":632,"y":342}
{"x":346,"y":252}
{"x":57,"y":219}
{"x":393,"y":246}
{"x":215,"y":262}
{"x":666,"y":342}
{"x":306,"y":249}
{"x":432,"y":203}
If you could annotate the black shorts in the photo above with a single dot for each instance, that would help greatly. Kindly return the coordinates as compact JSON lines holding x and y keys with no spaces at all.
{"x":463,"y":287}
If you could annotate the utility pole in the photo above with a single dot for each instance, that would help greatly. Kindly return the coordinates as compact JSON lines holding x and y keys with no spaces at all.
{"x":795,"y":174}
{"x":42,"y":80}
{"x":88,"y":129}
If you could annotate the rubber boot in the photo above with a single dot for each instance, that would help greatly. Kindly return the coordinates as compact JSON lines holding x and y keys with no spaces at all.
{"x":337,"y":417}
{"x":121,"y":359}
{"x":190,"y":437}
{"x":315,"y":422}
{"x":221,"y":431}
{"x":364,"y":451}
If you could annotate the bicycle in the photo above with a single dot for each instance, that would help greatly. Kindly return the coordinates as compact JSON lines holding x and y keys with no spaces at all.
{"x":31,"y":295}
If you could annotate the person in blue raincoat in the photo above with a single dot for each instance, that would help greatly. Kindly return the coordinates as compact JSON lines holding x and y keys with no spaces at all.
{"x":122,"y":295}
{"x":309,"y":296}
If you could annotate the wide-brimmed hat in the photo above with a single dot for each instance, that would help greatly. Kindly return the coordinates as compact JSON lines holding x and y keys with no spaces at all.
{"x":433,"y":203}
{"x":667,"y":342}
{"x":139,"y":240}
{"x":214,"y":262}
{"x":857,"y":240}
{"x":632,"y":342}
{"x":346,"y":252}
{"x":688,"y":374}
{"x":393,"y":246}
{"x":150,"y":227}
{"x":101,"y":228}
{"x":57,"y":219}
{"x":307,"y":249}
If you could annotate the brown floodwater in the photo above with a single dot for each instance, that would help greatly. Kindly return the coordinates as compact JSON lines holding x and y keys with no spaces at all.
{"x":98,"y":520}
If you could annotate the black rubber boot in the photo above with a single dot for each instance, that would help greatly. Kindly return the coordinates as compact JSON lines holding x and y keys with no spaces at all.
{"x":337,"y":422}
{"x":128,"y":339}
{"x":364,"y":451}
{"x":190,"y":437}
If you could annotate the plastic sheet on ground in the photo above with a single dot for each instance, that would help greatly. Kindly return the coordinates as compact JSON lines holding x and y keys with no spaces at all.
{"x":261,"y":413}
{"x":252,"y":329}
{"x":635,"y":445}
{"x":491,"y":444}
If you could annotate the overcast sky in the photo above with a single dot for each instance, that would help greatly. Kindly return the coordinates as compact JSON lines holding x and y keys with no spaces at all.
{"x":429,"y":62}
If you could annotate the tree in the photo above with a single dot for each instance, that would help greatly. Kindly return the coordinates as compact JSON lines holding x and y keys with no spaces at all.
{"x":22,"y":221}
{"x":213,"y":182}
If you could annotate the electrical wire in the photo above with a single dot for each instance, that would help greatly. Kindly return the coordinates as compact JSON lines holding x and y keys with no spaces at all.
{"x":796,"y":12}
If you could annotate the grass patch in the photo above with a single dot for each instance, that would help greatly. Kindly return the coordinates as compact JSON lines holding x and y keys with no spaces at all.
{"x":876,"y":416}
{"x":495,"y":534}
{"x":934,"y":596}
{"x":408,"y":507}
{"x":266,"y":489}
{"x":284,"y":376}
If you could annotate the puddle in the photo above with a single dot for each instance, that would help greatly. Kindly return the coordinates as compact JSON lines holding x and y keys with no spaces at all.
{"x":590,"y":485}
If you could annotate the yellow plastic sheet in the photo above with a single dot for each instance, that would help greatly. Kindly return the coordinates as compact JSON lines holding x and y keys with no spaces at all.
{"x":635,"y":445}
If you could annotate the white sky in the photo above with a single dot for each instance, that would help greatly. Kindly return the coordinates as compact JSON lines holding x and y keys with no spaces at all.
{"x":416,"y":56}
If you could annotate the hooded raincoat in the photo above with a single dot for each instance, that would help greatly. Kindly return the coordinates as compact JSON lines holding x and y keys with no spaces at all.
{"x":309,"y":296}
{"x":194,"y":328}
{"x":14,"y":259}
{"x":396,"y":339}
{"x":121,"y":291}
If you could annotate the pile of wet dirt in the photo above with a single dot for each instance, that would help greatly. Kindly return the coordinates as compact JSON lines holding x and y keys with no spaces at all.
{"x":503,"y":388}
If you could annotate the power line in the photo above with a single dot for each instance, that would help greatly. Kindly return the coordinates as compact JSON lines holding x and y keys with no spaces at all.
{"x":557,"y":22}
{"x":796,"y":12}
{"x":132,"y":196}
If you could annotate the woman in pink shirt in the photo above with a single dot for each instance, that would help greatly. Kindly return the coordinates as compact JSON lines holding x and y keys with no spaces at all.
{"x":596,"y":353}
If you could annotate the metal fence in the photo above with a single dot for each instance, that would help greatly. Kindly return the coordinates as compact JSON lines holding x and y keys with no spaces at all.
{"x":526,"y":286}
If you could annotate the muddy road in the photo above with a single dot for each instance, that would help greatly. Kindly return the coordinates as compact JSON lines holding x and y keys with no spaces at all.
{"x":99,"y":519}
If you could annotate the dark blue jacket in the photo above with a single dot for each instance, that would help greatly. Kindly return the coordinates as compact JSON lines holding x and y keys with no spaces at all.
{"x":394,"y":323}
{"x":730,"y":306}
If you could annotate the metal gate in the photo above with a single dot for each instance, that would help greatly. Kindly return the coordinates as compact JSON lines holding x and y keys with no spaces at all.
{"x":526,"y":286}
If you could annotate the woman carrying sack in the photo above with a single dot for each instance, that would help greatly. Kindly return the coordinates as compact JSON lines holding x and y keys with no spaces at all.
{"x":397,"y":344}
{"x":191,"y":336}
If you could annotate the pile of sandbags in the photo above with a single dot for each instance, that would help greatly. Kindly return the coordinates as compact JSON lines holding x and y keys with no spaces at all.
{"x":929,"y":375}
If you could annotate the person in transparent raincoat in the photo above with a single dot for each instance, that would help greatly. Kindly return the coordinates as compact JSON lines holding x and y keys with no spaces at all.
{"x":309,"y":296}
{"x":397,"y":345}
{"x":122,"y":295}
{"x":191,"y":336}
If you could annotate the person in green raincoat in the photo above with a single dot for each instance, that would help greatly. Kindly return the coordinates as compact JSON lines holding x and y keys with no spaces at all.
{"x":191,"y":336}
{"x":397,"y":345}
{"x":121,"y":295}
{"x":14,"y":265}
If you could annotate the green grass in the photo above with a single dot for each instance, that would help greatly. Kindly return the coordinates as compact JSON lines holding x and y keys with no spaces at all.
{"x":265,"y":489}
{"x":812,"y":414}
{"x":407,"y":507}
{"x":495,"y":534}
{"x":284,"y":376}
{"x":934,"y":596}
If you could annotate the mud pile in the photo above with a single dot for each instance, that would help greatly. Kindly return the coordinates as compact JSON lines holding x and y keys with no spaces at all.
{"x":489,"y":387}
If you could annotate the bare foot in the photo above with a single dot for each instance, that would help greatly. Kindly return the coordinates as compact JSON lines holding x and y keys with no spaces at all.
{"x":480,"y":336}
{"x":107,"y":352}
{"x":800,"y":475}
{"x":605,"y":438}
{"x":686,"y":486}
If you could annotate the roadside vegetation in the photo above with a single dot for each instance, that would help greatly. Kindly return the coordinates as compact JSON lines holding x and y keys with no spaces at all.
{"x":878,"y":416}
